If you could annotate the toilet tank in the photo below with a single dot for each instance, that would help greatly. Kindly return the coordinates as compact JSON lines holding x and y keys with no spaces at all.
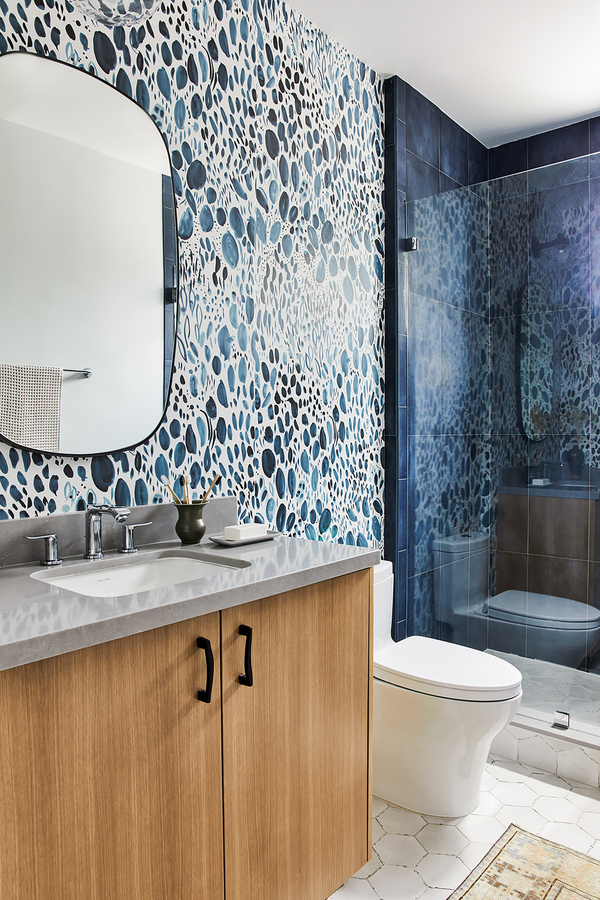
{"x":383,"y":596}
{"x":461,"y":573}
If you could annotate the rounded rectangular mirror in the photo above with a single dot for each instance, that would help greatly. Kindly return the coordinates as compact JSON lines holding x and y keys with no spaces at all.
{"x":88,"y":262}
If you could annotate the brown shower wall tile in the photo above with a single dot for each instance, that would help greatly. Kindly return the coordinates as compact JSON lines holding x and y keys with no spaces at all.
{"x":561,"y":577}
{"x":511,"y":572}
{"x":513,"y":510}
{"x":559,"y":526}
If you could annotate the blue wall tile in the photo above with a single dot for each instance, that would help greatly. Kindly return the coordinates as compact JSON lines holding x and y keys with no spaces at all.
{"x":422,"y":127}
{"x":447,"y":183}
{"x":422,"y":179}
{"x":402,"y":512}
{"x":561,"y":214}
{"x":399,"y":630}
{"x":425,"y":461}
{"x":401,"y":380}
{"x":595,"y":134}
{"x":420,"y":618}
{"x":402,"y":448}
{"x":401,"y":157}
{"x":454,"y":150}
{"x":399,"y":612}
{"x":478,"y":161}
{"x":424,"y":382}
{"x":508,"y":159}
{"x":558,"y":174}
{"x":423,"y":222}
{"x":559,"y":144}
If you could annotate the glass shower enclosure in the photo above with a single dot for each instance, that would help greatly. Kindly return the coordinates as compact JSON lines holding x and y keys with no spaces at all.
{"x":504,"y":429}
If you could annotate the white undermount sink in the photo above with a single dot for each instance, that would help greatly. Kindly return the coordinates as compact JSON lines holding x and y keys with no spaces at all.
{"x":111,"y":578}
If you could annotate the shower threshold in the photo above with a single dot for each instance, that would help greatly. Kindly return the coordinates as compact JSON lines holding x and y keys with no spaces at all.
{"x":549,"y":689}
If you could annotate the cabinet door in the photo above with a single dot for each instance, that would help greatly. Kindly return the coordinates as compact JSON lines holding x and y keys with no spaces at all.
{"x":296,"y":745}
{"x":110,"y":772}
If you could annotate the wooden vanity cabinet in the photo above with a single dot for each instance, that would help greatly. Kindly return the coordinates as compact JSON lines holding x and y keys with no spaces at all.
{"x":296,"y":745}
{"x":110,"y":772}
{"x":116,"y":782}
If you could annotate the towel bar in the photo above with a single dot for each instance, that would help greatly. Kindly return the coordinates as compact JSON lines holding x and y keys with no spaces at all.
{"x":86,"y":372}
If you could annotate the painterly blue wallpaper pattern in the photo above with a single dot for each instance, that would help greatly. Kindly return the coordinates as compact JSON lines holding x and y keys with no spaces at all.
{"x":276,"y":141}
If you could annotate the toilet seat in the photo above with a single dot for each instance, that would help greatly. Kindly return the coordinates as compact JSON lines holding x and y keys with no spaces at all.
{"x":543,"y":611}
{"x":446,"y":670}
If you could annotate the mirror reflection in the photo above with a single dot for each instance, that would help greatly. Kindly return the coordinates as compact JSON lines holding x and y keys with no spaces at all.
{"x":535,"y":351}
{"x":87,"y":262}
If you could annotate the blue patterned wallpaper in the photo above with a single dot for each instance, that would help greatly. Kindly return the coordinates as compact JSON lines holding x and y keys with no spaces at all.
{"x":276,"y":141}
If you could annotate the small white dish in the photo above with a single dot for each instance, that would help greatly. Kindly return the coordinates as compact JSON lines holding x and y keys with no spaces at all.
{"x":223,"y":542}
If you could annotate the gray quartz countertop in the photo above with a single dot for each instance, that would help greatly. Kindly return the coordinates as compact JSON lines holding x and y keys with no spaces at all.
{"x":39,"y":620}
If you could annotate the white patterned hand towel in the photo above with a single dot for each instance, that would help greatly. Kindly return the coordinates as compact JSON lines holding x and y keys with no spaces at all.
{"x":30,"y":405}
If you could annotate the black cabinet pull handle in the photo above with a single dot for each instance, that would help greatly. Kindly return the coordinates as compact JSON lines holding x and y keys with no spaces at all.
{"x":204,"y":644}
{"x":246,"y":678}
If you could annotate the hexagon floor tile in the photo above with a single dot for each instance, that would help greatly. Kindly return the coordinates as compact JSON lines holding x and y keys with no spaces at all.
{"x":423,"y":858}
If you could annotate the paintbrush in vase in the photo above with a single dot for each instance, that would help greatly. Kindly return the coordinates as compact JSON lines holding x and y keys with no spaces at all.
{"x":165,"y":481}
{"x":215,"y":481}
{"x":185,"y":490}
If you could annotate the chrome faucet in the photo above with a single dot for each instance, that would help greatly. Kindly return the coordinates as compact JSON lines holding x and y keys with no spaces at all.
{"x":93,"y":527}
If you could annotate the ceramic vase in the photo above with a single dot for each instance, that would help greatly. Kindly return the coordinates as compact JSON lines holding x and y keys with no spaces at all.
{"x":190,"y":527}
{"x":575,"y":459}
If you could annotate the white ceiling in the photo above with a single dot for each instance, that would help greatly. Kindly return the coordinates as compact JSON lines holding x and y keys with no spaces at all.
{"x":503,"y":69}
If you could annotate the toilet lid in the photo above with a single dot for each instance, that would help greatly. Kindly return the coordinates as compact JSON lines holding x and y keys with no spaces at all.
{"x":446,"y":670}
{"x":543,"y":611}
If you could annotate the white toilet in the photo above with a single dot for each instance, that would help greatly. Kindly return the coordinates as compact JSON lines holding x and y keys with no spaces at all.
{"x":436,"y":709}
{"x":539,"y":626}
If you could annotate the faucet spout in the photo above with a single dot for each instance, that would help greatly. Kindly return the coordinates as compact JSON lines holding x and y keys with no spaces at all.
{"x":93,"y":527}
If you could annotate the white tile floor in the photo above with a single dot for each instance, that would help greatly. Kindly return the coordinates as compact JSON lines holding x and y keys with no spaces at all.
{"x":423,"y":858}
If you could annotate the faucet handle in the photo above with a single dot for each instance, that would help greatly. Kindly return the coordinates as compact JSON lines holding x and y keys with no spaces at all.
{"x":128,"y":543}
{"x":51,"y":558}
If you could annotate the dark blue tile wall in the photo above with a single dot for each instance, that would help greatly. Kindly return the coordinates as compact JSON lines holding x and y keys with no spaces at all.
{"x":508,"y":159}
{"x":558,"y":145}
{"x":546,"y":148}
{"x":422,"y":127}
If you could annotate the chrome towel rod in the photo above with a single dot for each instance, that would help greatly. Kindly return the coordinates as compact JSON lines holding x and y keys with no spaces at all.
{"x":86,"y":372}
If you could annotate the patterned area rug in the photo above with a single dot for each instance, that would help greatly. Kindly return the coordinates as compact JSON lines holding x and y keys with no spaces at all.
{"x":521,"y":866}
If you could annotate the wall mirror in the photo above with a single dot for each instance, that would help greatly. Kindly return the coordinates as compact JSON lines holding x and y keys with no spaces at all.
{"x":88,"y":262}
{"x":535,"y":362}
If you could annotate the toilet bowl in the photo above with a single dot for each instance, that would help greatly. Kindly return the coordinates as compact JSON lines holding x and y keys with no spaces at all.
{"x":436,"y":709}
{"x":538,"y":626}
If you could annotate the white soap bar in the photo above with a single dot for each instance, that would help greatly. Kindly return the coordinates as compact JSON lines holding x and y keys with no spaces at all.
{"x":241,"y":532}
{"x":539,"y":482}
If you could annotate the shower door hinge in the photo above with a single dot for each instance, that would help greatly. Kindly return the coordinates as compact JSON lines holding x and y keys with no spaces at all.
{"x":410,"y":243}
{"x":562,"y":720}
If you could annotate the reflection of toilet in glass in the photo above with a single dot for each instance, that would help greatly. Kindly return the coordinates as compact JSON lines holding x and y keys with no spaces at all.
{"x":539,"y":626}
{"x":436,"y":709}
